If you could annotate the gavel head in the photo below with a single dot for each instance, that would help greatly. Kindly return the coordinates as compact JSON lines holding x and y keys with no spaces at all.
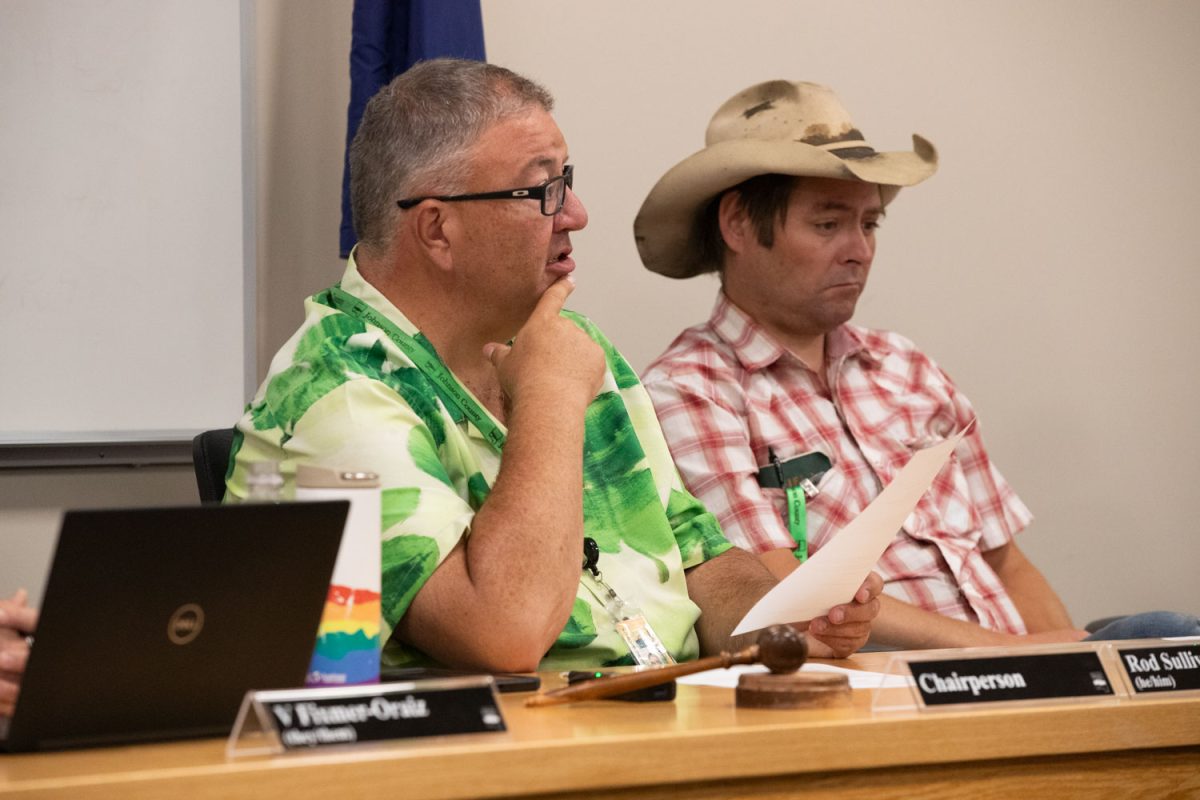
{"x":782,"y":649}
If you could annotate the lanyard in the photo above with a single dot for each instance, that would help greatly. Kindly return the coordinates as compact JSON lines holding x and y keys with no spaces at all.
{"x":797,"y":489}
{"x":422,"y":354}
{"x":644,"y":645}
{"x":631,"y":624}
{"x":798,"y":521}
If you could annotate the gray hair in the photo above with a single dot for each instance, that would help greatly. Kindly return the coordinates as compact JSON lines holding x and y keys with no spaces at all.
{"x":415,"y":134}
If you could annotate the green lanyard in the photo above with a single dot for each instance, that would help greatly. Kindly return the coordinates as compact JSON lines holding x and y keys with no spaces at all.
{"x":644,"y":645}
{"x":798,"y":521}
{"x":426,"y":360}
{"x":797,"y":511}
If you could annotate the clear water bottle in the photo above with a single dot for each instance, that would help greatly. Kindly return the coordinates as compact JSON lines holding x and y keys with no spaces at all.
{"x":264,"y":483}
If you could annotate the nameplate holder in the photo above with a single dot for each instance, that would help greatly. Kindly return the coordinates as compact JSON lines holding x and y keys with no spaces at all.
{"x":277,"y":721}
{"x":1033,"y":675}
{"x":1163,"y":667}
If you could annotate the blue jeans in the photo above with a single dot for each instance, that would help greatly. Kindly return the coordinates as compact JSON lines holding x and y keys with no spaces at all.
{"x":1150,"y":625}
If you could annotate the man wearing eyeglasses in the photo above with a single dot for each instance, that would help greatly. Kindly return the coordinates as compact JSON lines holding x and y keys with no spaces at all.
{"x":532,"y":517}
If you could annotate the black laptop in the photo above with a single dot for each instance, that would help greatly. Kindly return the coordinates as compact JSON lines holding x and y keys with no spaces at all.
{"x":155,"y":622}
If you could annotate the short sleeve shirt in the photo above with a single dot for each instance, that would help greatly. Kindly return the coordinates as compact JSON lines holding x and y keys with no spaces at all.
{"x":341,"y":393}
{"x":726,"y":392}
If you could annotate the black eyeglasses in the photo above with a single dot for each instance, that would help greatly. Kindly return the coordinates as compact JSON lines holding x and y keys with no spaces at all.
{"x":552,"y":194}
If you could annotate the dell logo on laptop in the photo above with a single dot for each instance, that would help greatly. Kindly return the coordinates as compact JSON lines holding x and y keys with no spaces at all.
{"x":185,"y":624}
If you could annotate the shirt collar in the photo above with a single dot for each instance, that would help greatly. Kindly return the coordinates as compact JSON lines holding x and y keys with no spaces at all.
{"x":850,"y":340}
{"x":756,"y":349}
{"x":752,"y":345}
{"x":354,"y":283}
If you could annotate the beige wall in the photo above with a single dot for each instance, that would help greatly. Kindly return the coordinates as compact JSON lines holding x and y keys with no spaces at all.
{"x":303,"y":89}
{"x":1047,"y":266}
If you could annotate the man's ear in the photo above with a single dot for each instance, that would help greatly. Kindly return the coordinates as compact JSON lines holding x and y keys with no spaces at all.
{"x":734,"y":222}
{"x":432,"y":228}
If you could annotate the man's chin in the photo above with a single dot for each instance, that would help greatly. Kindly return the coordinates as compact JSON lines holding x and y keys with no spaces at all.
{"x":833,"y":316}
{"x":557,"y":270}
{"x":841,"y":304}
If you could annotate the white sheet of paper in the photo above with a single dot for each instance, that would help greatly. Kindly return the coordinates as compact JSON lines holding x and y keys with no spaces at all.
{"x":833,"y":575}
{"x":859,"y":679}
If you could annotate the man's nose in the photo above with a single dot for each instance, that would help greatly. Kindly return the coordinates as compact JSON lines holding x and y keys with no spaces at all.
{"x":572,"y":216}
{"x":860,"y":245}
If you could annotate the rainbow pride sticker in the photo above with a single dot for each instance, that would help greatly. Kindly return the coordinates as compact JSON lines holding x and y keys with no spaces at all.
{"x":347,"y":651}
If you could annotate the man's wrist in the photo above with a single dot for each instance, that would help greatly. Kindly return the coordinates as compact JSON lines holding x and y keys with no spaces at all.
{"x":555,"y":396}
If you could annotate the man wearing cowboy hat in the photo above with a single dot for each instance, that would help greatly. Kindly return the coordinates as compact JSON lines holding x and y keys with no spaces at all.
{"x":784,"y":419}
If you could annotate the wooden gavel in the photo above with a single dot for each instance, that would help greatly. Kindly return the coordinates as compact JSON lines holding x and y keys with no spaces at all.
{"x":781,"y":649}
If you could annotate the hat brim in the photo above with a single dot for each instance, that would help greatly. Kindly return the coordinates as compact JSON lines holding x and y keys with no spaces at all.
{"x":664,"y":227}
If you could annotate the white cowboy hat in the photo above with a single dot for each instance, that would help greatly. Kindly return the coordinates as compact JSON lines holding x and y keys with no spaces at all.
{"x":777,"y":127}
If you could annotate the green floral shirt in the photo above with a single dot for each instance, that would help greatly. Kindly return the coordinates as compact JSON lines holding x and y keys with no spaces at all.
{"x":341,"y":393}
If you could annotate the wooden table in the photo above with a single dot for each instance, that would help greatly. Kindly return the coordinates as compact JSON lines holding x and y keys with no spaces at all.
{"x":700,"y":746}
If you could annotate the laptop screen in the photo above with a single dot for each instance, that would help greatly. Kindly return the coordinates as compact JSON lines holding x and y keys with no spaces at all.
{"x":156,"y":621}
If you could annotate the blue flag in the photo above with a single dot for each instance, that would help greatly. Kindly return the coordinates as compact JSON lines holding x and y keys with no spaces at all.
{"x":388,"y":37}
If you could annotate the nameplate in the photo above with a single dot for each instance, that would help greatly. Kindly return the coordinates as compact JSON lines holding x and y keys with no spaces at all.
{"x":1166,"y":668}
{"x":302,"y":719}
{"x":1009,"y":678}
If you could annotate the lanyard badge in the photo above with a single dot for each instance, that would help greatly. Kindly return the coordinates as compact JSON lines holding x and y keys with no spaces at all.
{"x":629,"y":621}
{"x":643,"y":643}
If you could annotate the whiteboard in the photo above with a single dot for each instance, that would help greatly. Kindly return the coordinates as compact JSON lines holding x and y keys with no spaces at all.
{"x":126,"y":225}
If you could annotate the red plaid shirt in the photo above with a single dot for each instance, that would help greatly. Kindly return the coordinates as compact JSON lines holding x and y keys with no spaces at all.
{"x":725,"y":391}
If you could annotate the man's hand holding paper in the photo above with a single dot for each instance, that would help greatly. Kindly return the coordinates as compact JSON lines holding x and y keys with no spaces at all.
{"x":820,"y":585}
